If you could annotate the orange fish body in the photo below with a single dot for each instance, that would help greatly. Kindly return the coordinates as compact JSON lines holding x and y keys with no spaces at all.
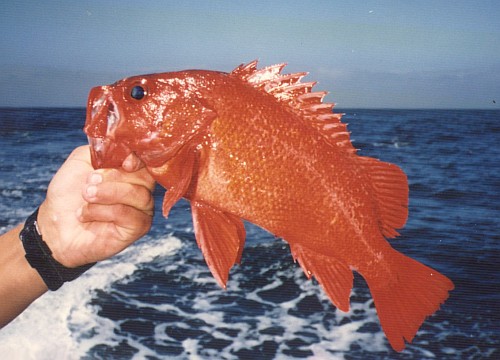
{"x":261,"y":146}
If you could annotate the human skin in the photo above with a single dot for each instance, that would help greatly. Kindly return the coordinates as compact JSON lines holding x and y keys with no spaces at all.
{"x":87,"y":216}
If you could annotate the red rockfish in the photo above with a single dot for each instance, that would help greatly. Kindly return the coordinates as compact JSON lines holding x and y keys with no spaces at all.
{"x":261,"y":146}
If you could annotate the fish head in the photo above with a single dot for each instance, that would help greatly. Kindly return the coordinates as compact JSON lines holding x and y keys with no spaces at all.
{"x":153,"y":116}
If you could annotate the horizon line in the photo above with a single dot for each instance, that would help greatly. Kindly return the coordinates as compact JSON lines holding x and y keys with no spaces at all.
{"x":2,"y":107}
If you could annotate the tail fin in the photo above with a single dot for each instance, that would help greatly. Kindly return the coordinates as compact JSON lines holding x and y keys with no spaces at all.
{"x":403,"y":302}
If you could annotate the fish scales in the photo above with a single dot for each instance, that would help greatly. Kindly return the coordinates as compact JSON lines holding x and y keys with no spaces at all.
{"x":260,"y":146}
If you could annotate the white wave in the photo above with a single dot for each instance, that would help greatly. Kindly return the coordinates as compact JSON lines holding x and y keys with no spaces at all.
{"x":66,"y":325}
{"x":334,"y":339}
{"x":57,"y":325}
{"x":12,"y":193}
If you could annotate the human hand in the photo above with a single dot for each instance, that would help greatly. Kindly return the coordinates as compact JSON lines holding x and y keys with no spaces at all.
{"x":90,"y":215}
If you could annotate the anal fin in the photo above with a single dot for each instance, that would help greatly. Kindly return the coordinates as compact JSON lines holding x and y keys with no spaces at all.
{"x":220,"y":236}
{"x":335,"y":277}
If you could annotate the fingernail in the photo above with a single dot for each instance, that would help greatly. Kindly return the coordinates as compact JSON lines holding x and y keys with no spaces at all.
{"x":129,"y":165}
{"x":92,"y":190}
{"x":96,"y":178}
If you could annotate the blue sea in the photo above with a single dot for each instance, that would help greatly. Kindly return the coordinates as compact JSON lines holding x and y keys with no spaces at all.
{"x":157,"y":299}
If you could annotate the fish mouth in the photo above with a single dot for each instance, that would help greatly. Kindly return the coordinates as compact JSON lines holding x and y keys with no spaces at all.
{"x":102,"y":120}
{"x":105,"y":153}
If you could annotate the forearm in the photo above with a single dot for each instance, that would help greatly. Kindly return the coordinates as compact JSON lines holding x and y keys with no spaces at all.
{"x":20,"y":284}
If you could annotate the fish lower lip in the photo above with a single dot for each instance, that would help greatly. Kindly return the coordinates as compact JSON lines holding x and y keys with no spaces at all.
{"x":97,"y":151}
{"x":106,"y":153}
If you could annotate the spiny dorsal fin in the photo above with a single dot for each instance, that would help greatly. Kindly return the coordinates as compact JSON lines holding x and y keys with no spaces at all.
{"x":288,"y":89}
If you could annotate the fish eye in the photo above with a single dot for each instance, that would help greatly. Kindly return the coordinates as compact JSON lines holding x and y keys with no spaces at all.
{"x":138,"y":92}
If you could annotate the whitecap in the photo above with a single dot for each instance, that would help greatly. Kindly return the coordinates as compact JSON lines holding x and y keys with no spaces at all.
{"x":64,"y":324}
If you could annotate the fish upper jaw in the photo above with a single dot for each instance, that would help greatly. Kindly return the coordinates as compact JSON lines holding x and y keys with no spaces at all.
{"x":102,"y":119}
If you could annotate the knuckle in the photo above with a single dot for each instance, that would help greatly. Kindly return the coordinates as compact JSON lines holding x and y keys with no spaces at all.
{"x":122,"y":211}
{"x":141,"y":197}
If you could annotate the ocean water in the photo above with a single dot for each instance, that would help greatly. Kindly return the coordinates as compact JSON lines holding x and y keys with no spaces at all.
{"x":158,"y":300}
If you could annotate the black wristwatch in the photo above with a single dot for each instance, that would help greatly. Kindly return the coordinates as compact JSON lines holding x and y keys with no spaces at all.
{"x":39,"y":256}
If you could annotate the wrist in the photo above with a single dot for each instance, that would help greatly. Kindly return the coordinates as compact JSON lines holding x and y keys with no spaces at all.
{"x":48,"y":225}
{"x":40,"y":257}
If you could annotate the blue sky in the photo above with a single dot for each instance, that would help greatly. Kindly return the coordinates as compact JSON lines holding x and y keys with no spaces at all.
{"x":434,"y":54}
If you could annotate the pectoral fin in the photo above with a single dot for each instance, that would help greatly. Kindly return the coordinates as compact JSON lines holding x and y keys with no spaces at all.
{"x":220,"y":236}
{"x":176,"y":176}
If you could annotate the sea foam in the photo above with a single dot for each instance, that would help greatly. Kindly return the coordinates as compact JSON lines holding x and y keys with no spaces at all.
{"x":63,"y":324}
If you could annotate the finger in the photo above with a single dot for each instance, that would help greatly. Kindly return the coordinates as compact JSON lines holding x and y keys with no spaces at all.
{"x":81,"y":153}
{"x":140,"y":177}
{"x":111,"y":193}
{"x":136,"y":222}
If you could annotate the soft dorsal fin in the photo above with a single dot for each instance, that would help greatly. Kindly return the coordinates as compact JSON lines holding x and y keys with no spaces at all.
{"x":299,"y":96}
{"x":390,"y":187}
